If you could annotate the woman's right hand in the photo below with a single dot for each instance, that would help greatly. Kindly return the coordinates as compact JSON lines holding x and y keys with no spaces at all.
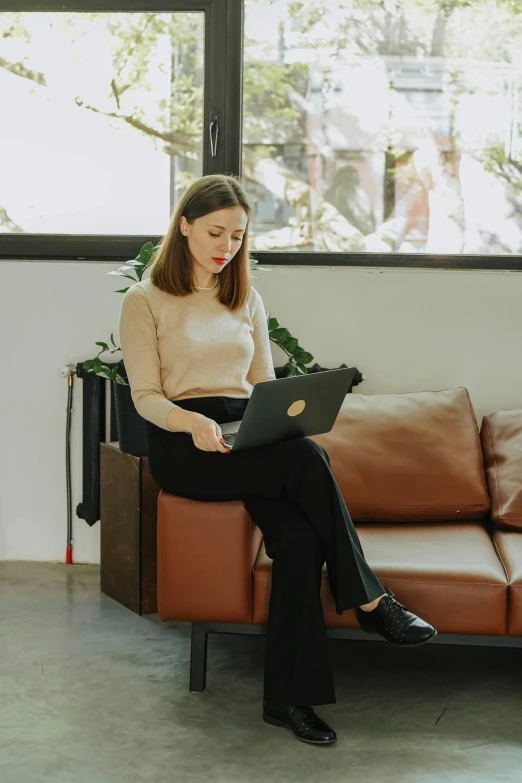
{"x":206,"y":433}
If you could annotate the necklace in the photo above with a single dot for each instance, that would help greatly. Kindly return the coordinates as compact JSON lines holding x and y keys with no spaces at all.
{"x":199,"y":288}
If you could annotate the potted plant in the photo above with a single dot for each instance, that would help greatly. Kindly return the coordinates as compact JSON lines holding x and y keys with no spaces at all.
{"x":131,"y":426}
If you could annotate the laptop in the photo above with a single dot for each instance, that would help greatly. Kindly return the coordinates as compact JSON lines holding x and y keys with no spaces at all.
{"x":292,"y":407}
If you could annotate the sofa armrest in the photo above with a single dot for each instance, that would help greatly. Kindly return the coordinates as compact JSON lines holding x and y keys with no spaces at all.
{"x":206,"y":555}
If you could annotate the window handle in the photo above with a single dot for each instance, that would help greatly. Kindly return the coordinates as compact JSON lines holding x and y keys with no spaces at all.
{"x":213,"y":142}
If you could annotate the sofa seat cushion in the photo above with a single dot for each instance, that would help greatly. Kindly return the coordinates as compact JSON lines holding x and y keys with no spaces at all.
{"x":501,"y":435}
{"x":206,"y":553}
{"x":450,"y":575}
{"x":509,"y":545}
{"x":412,"y":457}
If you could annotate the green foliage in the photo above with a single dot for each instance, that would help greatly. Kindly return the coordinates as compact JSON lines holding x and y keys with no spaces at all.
{"x":495,"y":160}
{"x":138,"y":266}
{"x":272,"y":109}
{"x":297,"y":356}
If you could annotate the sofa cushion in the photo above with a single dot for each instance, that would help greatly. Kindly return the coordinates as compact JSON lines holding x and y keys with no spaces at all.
{"x":206,"y":552}
{"x":450,"y":575}
{"x":501,"y":436}
{"x":509,"y":545}
{"x":409,"y":457}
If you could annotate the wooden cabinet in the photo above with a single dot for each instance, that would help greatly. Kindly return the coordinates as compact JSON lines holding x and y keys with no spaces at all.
{"x":128,"y":518}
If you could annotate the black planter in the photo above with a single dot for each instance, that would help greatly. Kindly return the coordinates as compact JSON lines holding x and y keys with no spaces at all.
{"x":282,"y":372}
{"x":132,"y":430}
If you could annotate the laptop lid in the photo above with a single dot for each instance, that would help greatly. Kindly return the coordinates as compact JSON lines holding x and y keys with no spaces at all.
{"x":291,"y":407}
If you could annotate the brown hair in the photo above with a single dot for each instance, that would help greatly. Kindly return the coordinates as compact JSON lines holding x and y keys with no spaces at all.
{"x":171,"y":267}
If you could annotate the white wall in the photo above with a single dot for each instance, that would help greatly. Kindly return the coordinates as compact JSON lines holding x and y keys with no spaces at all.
{"x":406,"y":330}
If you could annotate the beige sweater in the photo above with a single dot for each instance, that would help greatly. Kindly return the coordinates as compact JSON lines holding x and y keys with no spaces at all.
{"x":175,"y":347}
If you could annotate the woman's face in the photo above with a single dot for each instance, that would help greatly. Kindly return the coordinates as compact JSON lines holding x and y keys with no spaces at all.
{"x":218,"y":235}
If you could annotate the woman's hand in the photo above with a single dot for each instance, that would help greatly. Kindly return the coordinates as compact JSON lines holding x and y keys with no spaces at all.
{"x":206,"y":434}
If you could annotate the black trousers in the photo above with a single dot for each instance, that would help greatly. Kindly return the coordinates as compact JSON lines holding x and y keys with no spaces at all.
{"x":291,"y":494}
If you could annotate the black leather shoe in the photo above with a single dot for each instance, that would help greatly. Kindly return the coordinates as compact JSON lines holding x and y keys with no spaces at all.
{"x":306,"y":725}
{"x":395,"y":623}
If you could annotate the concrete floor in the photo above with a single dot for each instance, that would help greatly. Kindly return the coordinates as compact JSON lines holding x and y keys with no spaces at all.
{"x":92,"y":693}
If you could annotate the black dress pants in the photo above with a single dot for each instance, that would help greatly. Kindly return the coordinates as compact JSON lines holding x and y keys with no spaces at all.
{"x":292,"y":496}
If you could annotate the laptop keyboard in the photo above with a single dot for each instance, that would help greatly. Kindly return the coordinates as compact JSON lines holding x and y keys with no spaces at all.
{"x":229,"y":439}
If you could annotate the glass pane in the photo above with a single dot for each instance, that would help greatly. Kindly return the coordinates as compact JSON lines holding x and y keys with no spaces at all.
{"x":384,"y":126}
{"x":102,"y":120}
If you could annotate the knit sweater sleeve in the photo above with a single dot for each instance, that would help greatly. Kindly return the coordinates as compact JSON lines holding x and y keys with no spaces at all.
{"x":261,"y":367}
{"x":139,"y":346}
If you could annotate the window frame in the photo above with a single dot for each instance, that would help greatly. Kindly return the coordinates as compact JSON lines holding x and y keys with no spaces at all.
{"x":223,"y":96}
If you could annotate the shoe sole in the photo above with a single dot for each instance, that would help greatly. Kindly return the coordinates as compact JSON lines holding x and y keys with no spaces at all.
{"x":403,"y":644}
{"x":283,"y":725}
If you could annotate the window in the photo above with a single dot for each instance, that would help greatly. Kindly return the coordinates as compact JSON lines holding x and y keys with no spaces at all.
{"x":366,"y":132}
{"x":384,"y":127}
{"x":114,"y":107}
{"x":105,"y":120}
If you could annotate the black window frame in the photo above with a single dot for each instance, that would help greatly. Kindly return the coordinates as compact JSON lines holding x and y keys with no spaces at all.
{"x":223,"y":82}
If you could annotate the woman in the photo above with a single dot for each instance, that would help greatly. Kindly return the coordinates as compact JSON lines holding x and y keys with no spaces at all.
{"x":195,"y":342}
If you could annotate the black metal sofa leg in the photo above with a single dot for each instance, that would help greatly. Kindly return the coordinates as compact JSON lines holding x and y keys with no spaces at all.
{"x":198,"y":657}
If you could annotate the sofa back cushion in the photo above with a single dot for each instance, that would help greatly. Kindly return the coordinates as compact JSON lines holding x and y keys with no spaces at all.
{"x":501,"y":435}
{"x":409,"y":457}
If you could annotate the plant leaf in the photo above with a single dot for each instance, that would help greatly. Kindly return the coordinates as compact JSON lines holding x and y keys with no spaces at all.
{"x":146,"y":252}
{"x":303,"y":357}
{"x":122,"y":274}
{"x":280,"y":333}
{"x":289,"y":343}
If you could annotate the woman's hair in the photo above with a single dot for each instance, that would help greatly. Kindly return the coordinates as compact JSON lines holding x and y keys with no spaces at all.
{"x":172,"y":268}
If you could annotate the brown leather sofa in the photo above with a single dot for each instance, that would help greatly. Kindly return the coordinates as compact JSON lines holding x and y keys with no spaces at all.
{"x":437,"y":505}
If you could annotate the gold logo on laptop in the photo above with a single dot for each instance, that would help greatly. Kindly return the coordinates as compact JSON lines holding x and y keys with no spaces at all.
{"x":296,"y":408}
